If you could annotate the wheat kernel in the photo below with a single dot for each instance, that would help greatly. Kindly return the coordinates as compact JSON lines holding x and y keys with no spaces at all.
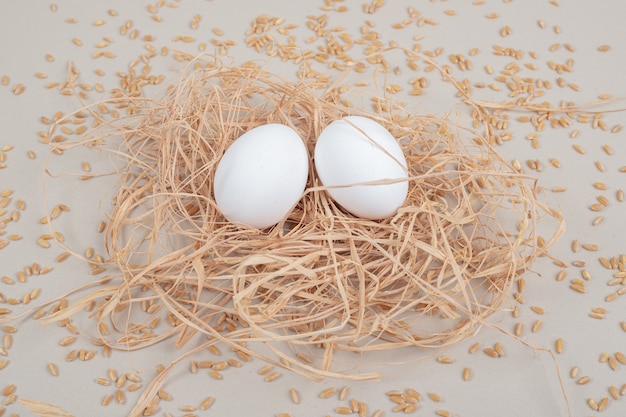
{"x":53,"y":369}
{"x":559,"y":345}
{"x":434,"y":397}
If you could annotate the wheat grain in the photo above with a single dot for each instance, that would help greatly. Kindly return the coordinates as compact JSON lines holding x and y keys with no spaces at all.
{"x":328,"y":392}
{"x":604,"y":402}
{"x":294,"y":395}
{"x":537,"y":309}
{"x":434,"y":397}
{"x":120,"y":397}
{"x":559,"y":345}
{"x":53,"y":369}
{"x":343,"y":393}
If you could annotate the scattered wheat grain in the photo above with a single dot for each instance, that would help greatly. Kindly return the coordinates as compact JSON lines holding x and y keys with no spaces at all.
{"x":53,"y":369}
{"x":559,"y":345}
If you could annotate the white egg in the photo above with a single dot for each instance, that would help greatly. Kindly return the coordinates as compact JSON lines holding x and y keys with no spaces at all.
{"x":355,"y":150}
{"x":261,"y":176}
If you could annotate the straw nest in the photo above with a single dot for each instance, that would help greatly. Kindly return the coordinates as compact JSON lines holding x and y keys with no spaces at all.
{"x":322,"y":280}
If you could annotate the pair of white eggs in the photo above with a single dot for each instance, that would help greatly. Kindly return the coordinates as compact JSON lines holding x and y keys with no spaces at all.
{"x":263,"y":174}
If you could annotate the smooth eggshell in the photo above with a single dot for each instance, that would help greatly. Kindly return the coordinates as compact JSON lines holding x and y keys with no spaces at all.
{"x":358,"y":149}
{"x":261,"y":176}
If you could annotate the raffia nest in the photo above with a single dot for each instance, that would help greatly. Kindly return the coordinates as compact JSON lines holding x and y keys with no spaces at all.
{"x":322,"y":280}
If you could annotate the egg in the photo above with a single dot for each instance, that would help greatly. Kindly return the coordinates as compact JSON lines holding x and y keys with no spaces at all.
{"x":261,"y":176}
{"x":355,"y":150}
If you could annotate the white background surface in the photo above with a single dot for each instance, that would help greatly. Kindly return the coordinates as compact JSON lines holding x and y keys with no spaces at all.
{"x":525,"y":382}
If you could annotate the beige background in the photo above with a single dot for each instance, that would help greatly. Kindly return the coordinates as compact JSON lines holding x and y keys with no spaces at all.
{"x":523,"y":383}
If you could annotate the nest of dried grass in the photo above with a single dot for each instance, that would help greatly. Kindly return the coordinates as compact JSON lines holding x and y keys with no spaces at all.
{"x":322,"y":280}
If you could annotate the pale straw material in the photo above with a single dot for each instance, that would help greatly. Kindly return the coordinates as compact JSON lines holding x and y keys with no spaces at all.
{"x":322,"y":280}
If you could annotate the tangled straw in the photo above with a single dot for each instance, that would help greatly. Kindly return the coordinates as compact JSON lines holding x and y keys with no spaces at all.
{"x":321,"y":280}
